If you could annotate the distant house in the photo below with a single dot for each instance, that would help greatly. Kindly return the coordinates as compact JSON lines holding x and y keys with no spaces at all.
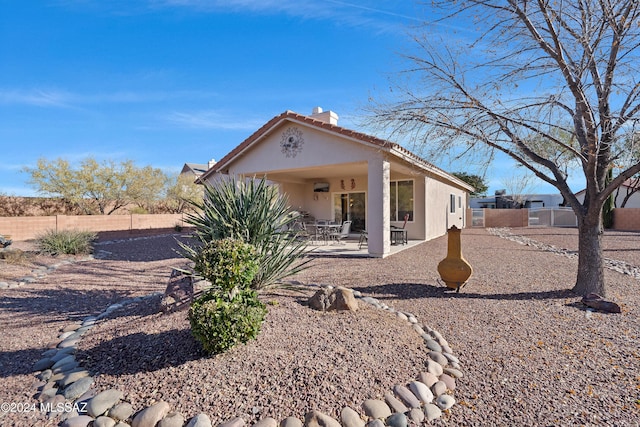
{"x":628,"y":188}
{"x":501,"y":200}
{"x":196,"y":169}
{"x":338,"y":174}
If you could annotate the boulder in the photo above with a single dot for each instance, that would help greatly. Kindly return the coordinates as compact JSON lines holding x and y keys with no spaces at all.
{"x":333,"y":299}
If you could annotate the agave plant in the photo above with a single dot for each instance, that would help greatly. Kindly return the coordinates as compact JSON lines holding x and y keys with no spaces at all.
{"x":255,"y":212}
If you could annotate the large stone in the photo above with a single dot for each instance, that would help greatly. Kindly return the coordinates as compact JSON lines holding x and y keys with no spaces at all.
{"x":421,"y":391}
{"x":599,"y":303}
{"x":428,"y":378}
{"x":173,"y":419}
{"x":395,"y":404}
{"x":350,"y":418}
{"x":150,"y":416}
{"x":449,"y":381}
{"x":103,"y":401}
{"x":397,"y":420}
{"x":179,"y":292}
{"x":200,"y":420}
{"x":78,"y":421}
{"x":121,"y":411}
{"x":376,"y":409}
{"x":333,"y":299}
{"x":444,"y":401}
{"x":432,"y":412}
{"x":406,"y":396}
{"x":318,"y":419}
{"x":78,"y":388}
{"x":291,"y":422}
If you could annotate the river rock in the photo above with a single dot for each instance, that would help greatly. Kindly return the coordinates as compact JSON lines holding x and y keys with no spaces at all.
{"x":428,"y":378}
{"x":455,"y":373}
{"x":432,"y":412}
{"x":439,"y":358}
{"x":434,"y":367}
{"x":78,"y":388}
{"x":439,"y":388}
{"x":291,"y":422}
{"x":416,"y":415}
{"x":121,"y":411}
{"x":422,"y":391}
{"x":406,"y":396}
{"x":449,"y":381}
{"x":395,"y":404}
{"x":375,"y":423}
{"x":103,"y":401}
{"x":444,"y":401}
{"x":318,"y":419}
{"x":200,"y":420}
{"x":376,"y":409}
{"x":397,"y":420}
{"x":433,"y":345}
{"x":173,"y":419}
{"x":150,"y":416}
{"x":77,"y":421}
{"x":350,"y":418}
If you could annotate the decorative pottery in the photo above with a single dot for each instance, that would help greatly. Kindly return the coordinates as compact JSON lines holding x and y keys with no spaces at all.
{"x":454,"y":269}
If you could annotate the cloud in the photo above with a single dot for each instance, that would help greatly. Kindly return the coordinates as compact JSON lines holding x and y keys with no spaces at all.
{"x":65,"y":99}
{"x":210,"y":119}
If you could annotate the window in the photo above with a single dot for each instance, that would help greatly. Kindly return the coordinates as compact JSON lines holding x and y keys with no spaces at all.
{"x":401,"y":200}
{"x":452,"y":203}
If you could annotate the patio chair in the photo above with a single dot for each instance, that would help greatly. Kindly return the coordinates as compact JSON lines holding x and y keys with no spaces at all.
{"x":343,"y":233}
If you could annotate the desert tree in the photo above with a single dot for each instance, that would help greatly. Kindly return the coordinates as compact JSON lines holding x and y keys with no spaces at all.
{"x":509,"y":72}
{"x":102,"y":187}
{"x":476,"y":181}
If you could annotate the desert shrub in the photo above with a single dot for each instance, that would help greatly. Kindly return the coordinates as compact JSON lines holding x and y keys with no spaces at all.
{"x":219,"y":323}
{"x":228,"y":264}
{"x":257,"y":214}
{"x":69,"y":242}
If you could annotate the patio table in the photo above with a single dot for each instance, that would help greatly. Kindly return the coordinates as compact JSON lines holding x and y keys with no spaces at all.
{"x":327,"y":229}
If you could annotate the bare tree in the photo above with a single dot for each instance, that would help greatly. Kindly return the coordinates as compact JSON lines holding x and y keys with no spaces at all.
{"x":532,"y":67}
{"x":517,"y":187}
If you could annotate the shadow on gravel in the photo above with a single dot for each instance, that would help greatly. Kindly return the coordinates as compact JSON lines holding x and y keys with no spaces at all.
{"x":55,"y":303}
{"x":140,"y":352}
{"x":415,"y":290}
{"x":19,"y":362}
{"x":147,"y":248}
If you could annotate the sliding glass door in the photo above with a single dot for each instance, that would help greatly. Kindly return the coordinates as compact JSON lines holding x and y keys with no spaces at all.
{"x":350,"y":207}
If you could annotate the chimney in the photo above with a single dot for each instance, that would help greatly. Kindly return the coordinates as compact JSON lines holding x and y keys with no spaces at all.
{"x":211,"y":163}
{"x":324,"y":116}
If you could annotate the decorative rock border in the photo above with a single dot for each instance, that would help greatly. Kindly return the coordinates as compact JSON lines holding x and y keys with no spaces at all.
{"x":65,"y":387}
{"x":39,"y":273}
{"x":612,"y":264}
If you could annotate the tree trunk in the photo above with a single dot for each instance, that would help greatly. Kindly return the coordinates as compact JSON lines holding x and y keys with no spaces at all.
{"x":590,"y":260}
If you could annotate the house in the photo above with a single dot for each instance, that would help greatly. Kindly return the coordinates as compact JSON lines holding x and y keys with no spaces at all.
{"x":501,"y":200}
{"x":196,"y":169}
{"x":338,"y":174}
{"x":629,"y":189}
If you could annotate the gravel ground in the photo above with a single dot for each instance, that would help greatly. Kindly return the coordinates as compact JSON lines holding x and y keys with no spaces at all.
{"x":530,"y":353}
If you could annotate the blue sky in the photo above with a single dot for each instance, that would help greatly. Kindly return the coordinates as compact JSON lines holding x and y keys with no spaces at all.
{"x":164,"y":82}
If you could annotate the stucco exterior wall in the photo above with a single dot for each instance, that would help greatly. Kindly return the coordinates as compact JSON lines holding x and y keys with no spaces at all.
{"x":318,"y":149}
{"x":438,"y":215}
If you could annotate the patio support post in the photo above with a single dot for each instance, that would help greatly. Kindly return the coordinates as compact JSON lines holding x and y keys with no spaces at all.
{"x":378,"y":224}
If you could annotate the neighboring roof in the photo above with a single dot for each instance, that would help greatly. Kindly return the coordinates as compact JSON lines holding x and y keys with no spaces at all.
{"x":196,"y":168}
{"x":391,"y":147}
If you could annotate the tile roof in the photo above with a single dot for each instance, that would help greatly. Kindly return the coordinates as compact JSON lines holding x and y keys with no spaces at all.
{"x":389,"y":146}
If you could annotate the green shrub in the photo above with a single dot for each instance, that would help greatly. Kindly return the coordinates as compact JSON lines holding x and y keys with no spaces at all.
{"x":257,"y":214}
{"x":220,"y":324}
{"x":228,"y":264}
{"x":69,"y":242}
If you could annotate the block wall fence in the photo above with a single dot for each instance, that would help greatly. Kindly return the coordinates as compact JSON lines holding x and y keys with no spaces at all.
{"x":30,"y":227}
{"x":624,"y":219}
